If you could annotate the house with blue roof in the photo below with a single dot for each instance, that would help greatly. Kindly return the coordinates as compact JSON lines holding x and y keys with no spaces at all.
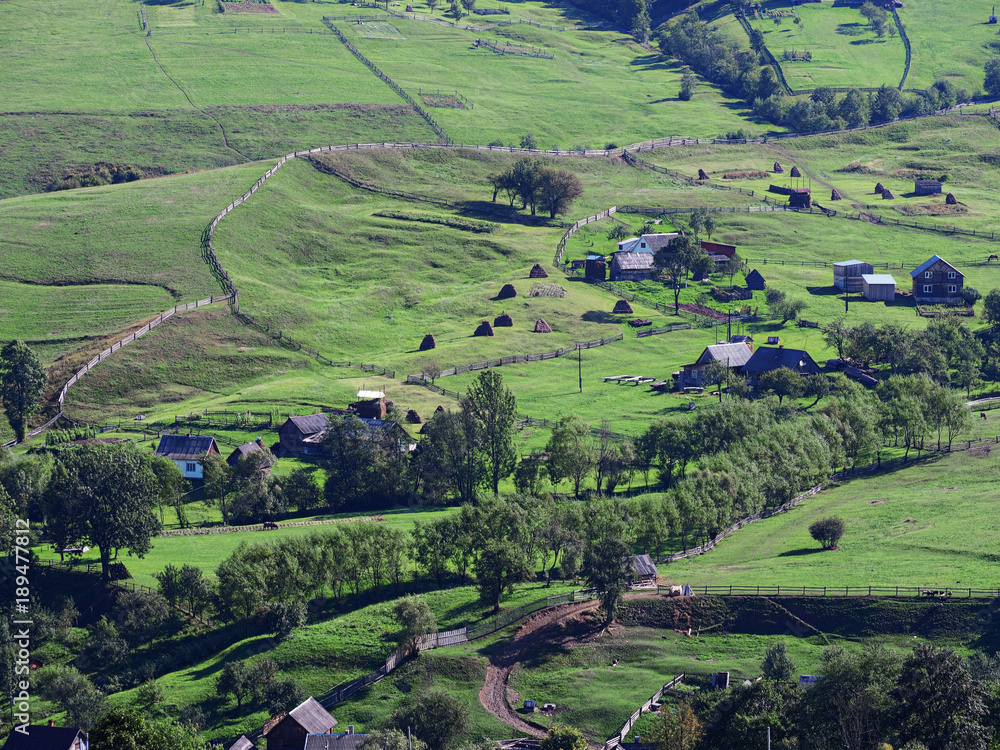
{"x":936,"y":281}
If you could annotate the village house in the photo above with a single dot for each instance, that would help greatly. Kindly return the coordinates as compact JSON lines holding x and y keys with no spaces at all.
{"x":847,"y":274}
{"x":188,"y":452}
{"x":245,"y":450}
{"x":767,"y":359}
{"x":288,"y":731}
{"x":936,"y":281}
{"x":634,"y":259}
{"x":51,"y":737}
{"x":303,"y":436}
{"x":348,"y":741}
{"x":734,"y":355}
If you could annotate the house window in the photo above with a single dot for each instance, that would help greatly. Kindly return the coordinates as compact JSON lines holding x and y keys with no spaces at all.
{"x":928,"y":288}
{"x":190,"y":467}
{"x":952,"y":288}
{"x":643,"y":244}
{"x":928,"y":274}
{"x":951,"y":274}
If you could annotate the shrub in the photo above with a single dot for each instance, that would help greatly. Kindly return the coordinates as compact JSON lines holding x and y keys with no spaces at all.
{"x":827,"y":531}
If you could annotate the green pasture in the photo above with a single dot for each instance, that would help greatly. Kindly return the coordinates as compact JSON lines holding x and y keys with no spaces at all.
{"x":845,"y":52}
{"x":926,"y":525}
{"x":950,"y":40}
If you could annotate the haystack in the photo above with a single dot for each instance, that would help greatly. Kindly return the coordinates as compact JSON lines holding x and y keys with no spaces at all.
{"x":537,"y":272}
{"x":423,"y":428}
{"x":412,"y":417}
{"x":409,"y":8}
{"x":951,"y":200}
{"x":795,"y":172}
{"x":887,"y":195}
{"x":503,"y":320}
{"x":542,"y":327}
{"x":777,"y":168}
{"x":879,"y":188}
{"x":702,"y":174}
{"x":836,"y":196}
{"x":439,"y":409}
{"x":484,"y":329}
{"x":427,"y":343}
{"x":507,"y":291}
{"x":622,"y":307}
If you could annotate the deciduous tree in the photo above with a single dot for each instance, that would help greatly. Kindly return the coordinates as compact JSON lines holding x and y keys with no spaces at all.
{"x":22,"y":382}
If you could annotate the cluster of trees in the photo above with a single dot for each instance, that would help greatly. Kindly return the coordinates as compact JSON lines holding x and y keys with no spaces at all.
{"x":740,"y":72}
{"x":631,"y":15}
{"x":781,"y":307}
{"x":537,"y":185}
{"x":877,"y":697}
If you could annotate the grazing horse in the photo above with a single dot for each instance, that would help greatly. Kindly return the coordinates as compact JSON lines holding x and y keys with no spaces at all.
{"x":982,"y":414}
{"x":993,"y":257}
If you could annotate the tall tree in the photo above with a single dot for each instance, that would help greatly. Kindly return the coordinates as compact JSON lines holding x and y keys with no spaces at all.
{"x":608,"y":563}
{"x":570,"y":454}
{"x":448,"y":461}
{"x":557,"y":189}
{"x":504,"y":546}
{"x":22,"y":381}
{"x":495,"y":408}
{"x":219,"y":483}
{"x":111,"y":492}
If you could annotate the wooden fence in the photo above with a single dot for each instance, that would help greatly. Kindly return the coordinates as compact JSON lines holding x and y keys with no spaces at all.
{"x":657,"y":331}
{"x":623,"y":733}
{"x":437,"y":92}
{"x":884,"y":592}
{"x":512,"y":49}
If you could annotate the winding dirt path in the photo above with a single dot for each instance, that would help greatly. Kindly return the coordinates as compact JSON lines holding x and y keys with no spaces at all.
{"x":546,"y":625}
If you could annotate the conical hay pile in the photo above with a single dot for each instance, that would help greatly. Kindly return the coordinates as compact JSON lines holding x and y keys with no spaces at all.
{"x":542,"y":327}
{"x":503,"y":320}
{"x":507,"y":291}
{"x":427,"y":343}
{"x":950,"y":199}
{"x":836,"y":196}
{"x":412,"y":417}
{"x":484,"y":329}
{"x":795,"y":172}
{"x":887,"y":195}
{"x":622,"y":307}
{"x":879,"y":188}
{"x":439,"y":409}
{"x":537,"y":272}
{"x":702,"y":174}
{"x":777,"y":168}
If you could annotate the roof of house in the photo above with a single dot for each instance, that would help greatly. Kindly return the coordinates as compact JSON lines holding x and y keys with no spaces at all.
{"x":845,"y":263}
{"x":735,"y":354}
{"x":595,"y":257}
{"x":334,"y":741}
{"x":186,"y":447}
{"x":41,"y":737}
{"x":310,"y":424}
{"x":754,"y":274}
{"x":242,"y":744}
{"x":766,"y":359}
{"x":928,"y":183}
{"x":247,"y":448}
{"x":930,"y":262}
{"x":633,"y":261}
{"x":741,"y":338}
{"x":644,"y":566}
{"x":370,"y":395}
{"x":878,"y":278}
{"x":312,"y":717}
{"x":653,"y":243}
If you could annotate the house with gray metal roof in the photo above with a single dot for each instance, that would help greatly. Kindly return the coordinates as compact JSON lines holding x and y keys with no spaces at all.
{"x":289,"y":731}
{"x":768,"y":358}
{"x":347,"y":741}
{"x":936,"y":281}
{"x":188,"y":452}
{"x":734,"y":355}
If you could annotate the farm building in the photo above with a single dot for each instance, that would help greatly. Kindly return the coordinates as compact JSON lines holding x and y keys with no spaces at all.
{"x":767,"y":359}
{"x":755,"y":282}
{"x":244,"y":450}
{"x":926,"y":187}
{"x":187,"y":451}
{"x":847,"y":274}
{"x":51,"y":737}
{"x":936,"y":281}
{"x":735,"y":355}
{"x":596,"y":268}
{"x":717,"y":248}
{"x":348,"y":741}
{"x":288,"y":731}
{"x":370,"y":404}
{"x":647,"y":243}
{"x":800,"y":198}
{"x":303,"y":435}
{"x":242,"y":743}
{"x":645,"y":570}
{"x":632,"y":267}
{"x":878,"y":287}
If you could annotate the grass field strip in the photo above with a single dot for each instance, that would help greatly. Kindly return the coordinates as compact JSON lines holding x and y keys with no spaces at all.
{"x":627,"y":726}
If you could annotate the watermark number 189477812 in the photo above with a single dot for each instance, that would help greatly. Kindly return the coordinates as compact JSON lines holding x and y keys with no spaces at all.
{"x":21,"y":627}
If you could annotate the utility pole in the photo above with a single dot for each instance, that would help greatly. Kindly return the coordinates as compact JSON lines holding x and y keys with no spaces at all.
{"x":769,"y":738}
{"x":579,"y":367}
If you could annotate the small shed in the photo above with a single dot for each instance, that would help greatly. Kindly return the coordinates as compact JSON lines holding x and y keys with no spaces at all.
{"x":847,"y":274}
{"x":645,"y":569}
{"x":878,"y":287}
{"x":755,"y":282}
{"x":927,"y":187}
{"x":800,"y":198}
{"x":245,"y":450}
{"x":595,"y":267}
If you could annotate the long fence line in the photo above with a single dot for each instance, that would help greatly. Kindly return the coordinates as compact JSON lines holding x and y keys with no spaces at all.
{"x":619,"y":738}
{"x":771,"y":59}
{"x":853,"y":592}
{"x":390,"y":83}
{"x":906,"y":45}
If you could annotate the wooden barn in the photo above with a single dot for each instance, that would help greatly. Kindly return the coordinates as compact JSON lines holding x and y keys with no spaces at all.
{"x":245,"y":450}
{"x":927,"y":187}
{"x":936,"y":281}
{"x":878,"y":287}
{"x":187,"y":451}
{"x":645,"y":570}
{"x":847,"y":274}
{"x":718,"y":248}
{"x":800,"y":198}
{"x":632,"y":267}
{"x":755,"y":282}
{"x":595,"y":267}
{"x":303,"y":435}
{"x":289,"y":731}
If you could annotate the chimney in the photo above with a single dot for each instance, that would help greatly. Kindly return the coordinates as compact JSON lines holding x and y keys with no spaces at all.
{"x":52,"y":722}
{"x":350,"y":729}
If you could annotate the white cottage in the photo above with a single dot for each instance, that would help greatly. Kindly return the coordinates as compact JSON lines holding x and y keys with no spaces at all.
{"x":187,"y":451}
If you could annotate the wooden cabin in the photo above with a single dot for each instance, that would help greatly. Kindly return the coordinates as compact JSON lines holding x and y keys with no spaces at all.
{"x":878,"y":287}
{"x":645,"y":570}
{"x":303,"y":435}
{"x":289,"y":731}
{"x":187,"y":452}
{"x":936,"y":281}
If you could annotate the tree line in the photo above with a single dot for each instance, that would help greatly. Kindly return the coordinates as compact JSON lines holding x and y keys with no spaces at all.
{"x":537,"y":185}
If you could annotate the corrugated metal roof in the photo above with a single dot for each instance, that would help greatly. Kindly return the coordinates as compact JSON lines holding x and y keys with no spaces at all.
{"x":735,"y":354}
{"x":930,"y":262}
{"x":644,"y":566}
{"x":334,"y":741}
{"x":842,"y":263}
{"x":878,"y":278}
{"x":766,"y":359}
{"x":633,"y":261}
{"x":310,"y":424}
{"x":242,"y":744}
{"x":41,"y":737}
{"x":312,"y":717}
{"x":185,"y":447}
